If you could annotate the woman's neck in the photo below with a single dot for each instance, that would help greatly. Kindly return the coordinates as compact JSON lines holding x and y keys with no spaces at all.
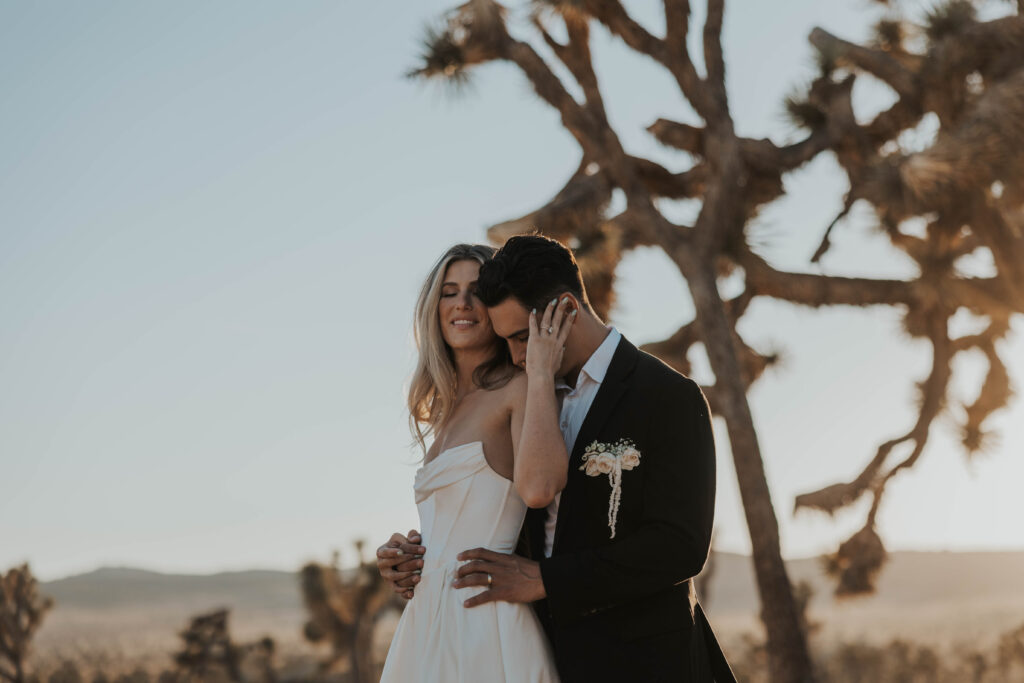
{"x":466,"y":362}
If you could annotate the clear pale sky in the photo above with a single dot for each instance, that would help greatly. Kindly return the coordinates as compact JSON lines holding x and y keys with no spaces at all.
{"x":214,"y":219}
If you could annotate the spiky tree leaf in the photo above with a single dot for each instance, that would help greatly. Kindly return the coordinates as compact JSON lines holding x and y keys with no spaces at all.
{"x":949,"y":18}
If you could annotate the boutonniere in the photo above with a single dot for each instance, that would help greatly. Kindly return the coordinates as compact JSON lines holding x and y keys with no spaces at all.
{"x":611,"y":459}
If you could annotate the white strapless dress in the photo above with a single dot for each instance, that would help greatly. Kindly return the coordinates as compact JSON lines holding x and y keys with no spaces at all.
{"x":464,"y":504}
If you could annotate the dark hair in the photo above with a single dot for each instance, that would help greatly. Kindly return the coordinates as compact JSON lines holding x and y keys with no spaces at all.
{"x":532,"y":268}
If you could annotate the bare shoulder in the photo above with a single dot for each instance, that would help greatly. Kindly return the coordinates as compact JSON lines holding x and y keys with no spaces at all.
{"x":514,"y":390}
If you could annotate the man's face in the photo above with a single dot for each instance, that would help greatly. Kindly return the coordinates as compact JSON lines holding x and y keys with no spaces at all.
{"x":511,"y":321}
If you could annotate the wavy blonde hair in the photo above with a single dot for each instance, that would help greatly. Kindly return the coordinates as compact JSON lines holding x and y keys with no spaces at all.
{"x":433,"y":386}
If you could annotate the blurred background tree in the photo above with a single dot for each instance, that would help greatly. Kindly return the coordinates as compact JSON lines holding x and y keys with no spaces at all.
{"x":22,"y":610}
{"x":956,"y":80}
{"x":344,"y":610}
{"x":209,"y":652}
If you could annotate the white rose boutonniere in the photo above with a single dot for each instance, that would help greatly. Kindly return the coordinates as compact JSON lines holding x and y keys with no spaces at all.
{"x":604,"y":463}
{"x":630,"y":458}
{"x":611,"y":459}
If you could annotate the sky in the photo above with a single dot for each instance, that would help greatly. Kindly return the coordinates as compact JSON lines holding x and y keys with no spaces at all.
{"x":214,"y":221}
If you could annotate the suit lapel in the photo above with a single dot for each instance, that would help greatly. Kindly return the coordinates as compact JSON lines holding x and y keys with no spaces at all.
{"x":608,"y":395}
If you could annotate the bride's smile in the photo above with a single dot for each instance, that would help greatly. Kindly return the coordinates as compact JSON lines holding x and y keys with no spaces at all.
{"x":464,"y":320}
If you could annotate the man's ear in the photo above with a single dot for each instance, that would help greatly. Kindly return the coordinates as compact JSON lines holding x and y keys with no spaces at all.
{"x":574,"y":303}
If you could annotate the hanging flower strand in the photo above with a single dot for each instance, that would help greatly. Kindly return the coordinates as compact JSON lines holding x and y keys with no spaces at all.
{"x":611,"y":459}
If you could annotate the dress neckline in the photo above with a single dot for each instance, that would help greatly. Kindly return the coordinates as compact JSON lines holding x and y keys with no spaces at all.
{"x":440,"y":455}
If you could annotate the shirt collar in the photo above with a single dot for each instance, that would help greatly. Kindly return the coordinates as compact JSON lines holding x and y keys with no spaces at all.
{"x":597,"y":365}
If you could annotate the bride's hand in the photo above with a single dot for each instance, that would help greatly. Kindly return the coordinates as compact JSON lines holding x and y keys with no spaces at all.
{"x":546,"y":343}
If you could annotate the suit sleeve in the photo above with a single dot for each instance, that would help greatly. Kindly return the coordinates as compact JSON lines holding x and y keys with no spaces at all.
{"x":671,"y":541}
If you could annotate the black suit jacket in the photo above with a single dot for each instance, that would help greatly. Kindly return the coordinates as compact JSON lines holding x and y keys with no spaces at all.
{"x":624,"y":608}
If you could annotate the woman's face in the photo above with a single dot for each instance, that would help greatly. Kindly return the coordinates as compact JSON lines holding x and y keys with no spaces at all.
{"x":464,"y":321}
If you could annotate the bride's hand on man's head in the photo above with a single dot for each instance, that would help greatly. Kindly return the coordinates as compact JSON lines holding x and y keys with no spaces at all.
{"x":548,"y":334}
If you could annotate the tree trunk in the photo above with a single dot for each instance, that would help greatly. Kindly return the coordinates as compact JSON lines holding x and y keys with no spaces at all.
{"x":355,"y":655}
{"x":788,"y":657}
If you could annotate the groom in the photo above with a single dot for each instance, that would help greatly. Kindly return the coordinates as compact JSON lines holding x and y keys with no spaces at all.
{"x":609,"y":565}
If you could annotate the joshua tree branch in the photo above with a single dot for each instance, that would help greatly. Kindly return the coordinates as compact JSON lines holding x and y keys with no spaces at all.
{"x":981,"y":295}
{"x":933,"y":397}
{"x":575,"y":55}
{"x":612,"y":14}
{"x":681,"y":136}
{"x":822,"y":290}
{"x":933,"y":392}
{"x":876,"y":62}
{"x":799,"y":153}
{"x":661,"y":182}
{"x":677,"y":25}
{"x":713,"y":59}
{"x":546,"y":84}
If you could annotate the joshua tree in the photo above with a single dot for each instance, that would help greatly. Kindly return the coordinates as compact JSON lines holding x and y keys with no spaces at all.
{"x":208,"y":647}
{"x":1010,"y":654}
{"x":21,"y":614}
{"x":964,"y":73}
{"x":344,"y":610}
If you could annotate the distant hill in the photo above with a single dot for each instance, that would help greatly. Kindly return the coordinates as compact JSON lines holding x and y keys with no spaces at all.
{"x":120,"y":587}
{"x":939,"y":597}
{"x":934,"y":596}
{"x":909,"y":579}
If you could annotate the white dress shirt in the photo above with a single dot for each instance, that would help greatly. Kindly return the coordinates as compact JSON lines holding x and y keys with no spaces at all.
{"x":574,"y":408}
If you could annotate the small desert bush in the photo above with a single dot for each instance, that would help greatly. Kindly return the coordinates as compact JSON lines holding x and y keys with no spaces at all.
{"x":899,"y":661}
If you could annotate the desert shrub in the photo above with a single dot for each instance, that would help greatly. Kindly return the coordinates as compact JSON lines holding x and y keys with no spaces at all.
{"x":138,"y":675}
{"x":898,"y":661}
{"x":67,"y":672}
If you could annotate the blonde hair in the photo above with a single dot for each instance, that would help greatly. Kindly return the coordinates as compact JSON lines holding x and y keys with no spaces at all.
{"x":433,"y":386}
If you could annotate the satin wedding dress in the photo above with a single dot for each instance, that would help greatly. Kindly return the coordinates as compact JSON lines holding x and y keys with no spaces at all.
{"x":464,"y":504}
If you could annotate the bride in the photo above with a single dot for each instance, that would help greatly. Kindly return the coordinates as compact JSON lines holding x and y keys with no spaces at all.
{"x":496,"y":449}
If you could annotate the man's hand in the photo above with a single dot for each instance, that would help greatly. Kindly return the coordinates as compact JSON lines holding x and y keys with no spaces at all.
{"x":399,"y":562}
{"x":512,"y":578}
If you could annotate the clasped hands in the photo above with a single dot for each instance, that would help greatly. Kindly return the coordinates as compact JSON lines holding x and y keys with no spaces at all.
{"x":512,"y":578}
